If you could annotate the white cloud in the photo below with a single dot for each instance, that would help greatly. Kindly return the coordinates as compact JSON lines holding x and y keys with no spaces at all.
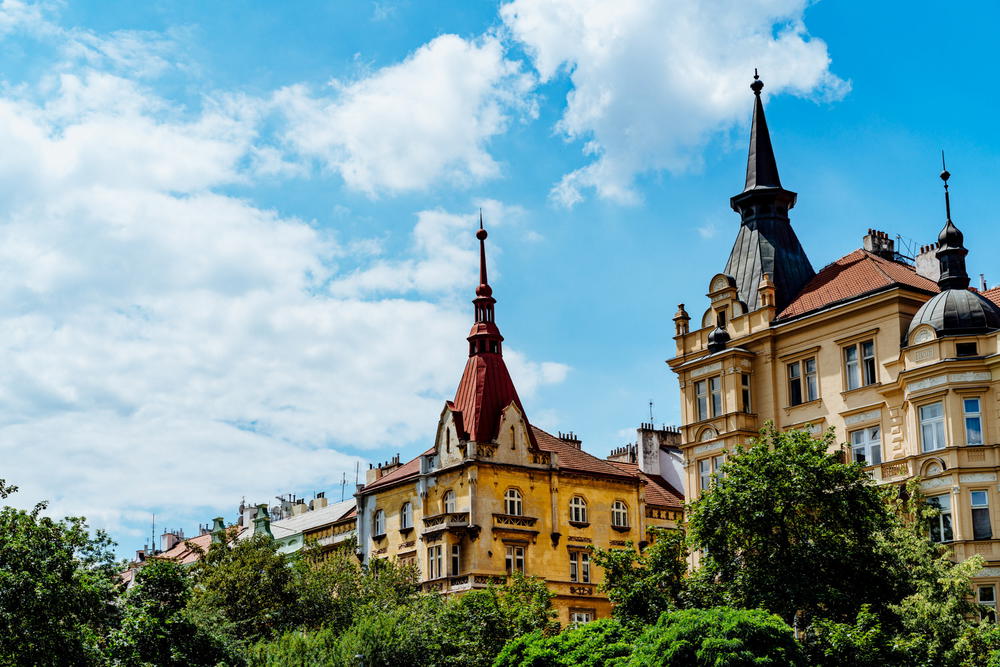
{"x":412,"y":125}
{"x":654,"y":81}
{"x":167,"y":347}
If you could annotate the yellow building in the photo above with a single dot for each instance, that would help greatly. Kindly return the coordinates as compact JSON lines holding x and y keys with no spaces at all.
{"x":897,"y":354}
{"x":495,"y":494}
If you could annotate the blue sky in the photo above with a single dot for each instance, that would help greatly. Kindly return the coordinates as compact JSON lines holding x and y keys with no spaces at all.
{"x":236,"y":238}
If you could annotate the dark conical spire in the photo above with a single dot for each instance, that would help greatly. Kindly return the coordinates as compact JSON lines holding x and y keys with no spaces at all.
{"x":766,"y":243}
{"x":762,"y":169}
{"x":951,"y":250}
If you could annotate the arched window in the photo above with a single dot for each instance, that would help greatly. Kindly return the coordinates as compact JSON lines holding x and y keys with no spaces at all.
{"x":378,"y":523}
{"x":512,"y":502}
{"x":619,"y":514}
{"x":449,"y":501}
{"x":406,"y":516}
{"x":578,"y":510}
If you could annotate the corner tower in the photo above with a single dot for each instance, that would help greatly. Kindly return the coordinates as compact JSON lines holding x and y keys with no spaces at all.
{"x":766,"y":243}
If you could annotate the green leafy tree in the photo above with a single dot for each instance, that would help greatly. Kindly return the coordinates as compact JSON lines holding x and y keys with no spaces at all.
{"x":57,"y":588}
{"x":717,"y":637}
{"x":790,"y":528}
{"x":155,"y":629}
{"x":643,"y":585}
{"x":603,"y":642}
{"x":245,"y":591}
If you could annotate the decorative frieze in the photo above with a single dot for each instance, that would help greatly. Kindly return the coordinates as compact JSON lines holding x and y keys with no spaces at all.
{"x":863,"y":416}
{"x":927,"y":383}
{"x":936,"y":483}
{"x":971,"y":376}
{"x":705,"y":370}
{"x":711,"y":447}
{"x":973,"y":477}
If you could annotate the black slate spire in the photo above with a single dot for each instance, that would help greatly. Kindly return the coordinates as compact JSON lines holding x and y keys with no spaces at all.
{"x":766,"y":242}
{"x":951,"y":250}
{"x":762,"y":169}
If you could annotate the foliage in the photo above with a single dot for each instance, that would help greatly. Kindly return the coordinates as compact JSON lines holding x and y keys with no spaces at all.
{"x":603,"y":642}
{"x":245,"y":590}
{"x":57,"y":588}
{"x":791,"y":529}
{"x":154,"y":628}
{"x":642,"y":585}
{"x":716,"y":637}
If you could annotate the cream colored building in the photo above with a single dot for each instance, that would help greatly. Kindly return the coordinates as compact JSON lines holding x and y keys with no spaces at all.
{"x":897,"y":354}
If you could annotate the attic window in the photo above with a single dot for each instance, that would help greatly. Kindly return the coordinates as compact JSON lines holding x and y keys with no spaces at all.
{"x":966,"y":349}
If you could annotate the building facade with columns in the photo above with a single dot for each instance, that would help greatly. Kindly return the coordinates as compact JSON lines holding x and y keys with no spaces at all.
{"x":496,"y":494}
{"x":897,"y":354}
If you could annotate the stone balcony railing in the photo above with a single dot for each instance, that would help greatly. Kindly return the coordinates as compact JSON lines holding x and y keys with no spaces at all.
{"x":443,"y":522}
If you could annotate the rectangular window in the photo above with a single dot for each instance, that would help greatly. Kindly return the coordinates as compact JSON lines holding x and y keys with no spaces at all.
{"x":932,"y":426}
{"x":745,"y":393}
{"x":859,"y":364}
{"x":515,"y":559}
{"x":717,"y":462}
{"x":966,"y":350}
{"x":973,"y":421}
{"x":579,"y":567}
{"x":866,"y":444}
{"x":581,"y":615}
{"x":981,"y":528}
{"x":715,"y":390}
{"x":701,"y":397}
{"x":434,"y":562}
{"x":456,"y":560}
{"x":802,"y":383}
{"x":941,"y":530}
{"x":705,"y":474}
{"x":987,"y":596}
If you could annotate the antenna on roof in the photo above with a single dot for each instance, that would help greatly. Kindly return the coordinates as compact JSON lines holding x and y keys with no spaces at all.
{"x":651,"y":400}
{"x":357,"y":465}
{"x":152,"y":535}
{"x":343,"y":483}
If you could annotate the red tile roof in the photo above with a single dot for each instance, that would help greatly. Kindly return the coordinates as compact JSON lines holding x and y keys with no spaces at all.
{"x":483,"y":393}
{"x":184,"y":553}
{"x":851,"y":276}
{"x":659,"y":492}
{"x":409,"y":469}
{"x":993,"y":294}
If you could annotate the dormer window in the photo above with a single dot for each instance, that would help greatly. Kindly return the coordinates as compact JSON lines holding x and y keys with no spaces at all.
{"x":968,"y":349}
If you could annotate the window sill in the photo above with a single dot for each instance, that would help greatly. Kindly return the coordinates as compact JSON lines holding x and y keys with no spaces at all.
{"x":621,"y":529}
{"x":380,"y":536}
{"x":815,"y":401}
{"x":874,"y":385}
{"x":406,"y":531}
{"x":579,"y":524}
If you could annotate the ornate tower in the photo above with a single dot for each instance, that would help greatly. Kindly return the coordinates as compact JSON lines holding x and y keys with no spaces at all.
{"x":766,"y":243}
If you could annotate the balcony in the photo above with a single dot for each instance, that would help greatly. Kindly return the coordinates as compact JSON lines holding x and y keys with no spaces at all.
{"x":457,"y":522}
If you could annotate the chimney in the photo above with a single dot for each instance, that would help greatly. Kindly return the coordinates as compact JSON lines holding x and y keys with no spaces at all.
{"x":299,"y":507}
{"x":879,"y":243}
{"x":652,"y":442}
{"x":171,"y":538}
{"x":319,"y":502}
{"x":927,"y":263}
{"x":570,"y":438}
{"x":624,"y":454}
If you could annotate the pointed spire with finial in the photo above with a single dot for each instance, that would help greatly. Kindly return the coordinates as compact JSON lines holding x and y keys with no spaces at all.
{"x":951,"y":250}
{"x":762,"y":168}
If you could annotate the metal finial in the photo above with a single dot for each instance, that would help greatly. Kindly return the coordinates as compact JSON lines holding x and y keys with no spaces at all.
{"x":481,"y":209}
{"x":757,"y":84}
{"x":755,"y":75}
{"x":945,"y":175}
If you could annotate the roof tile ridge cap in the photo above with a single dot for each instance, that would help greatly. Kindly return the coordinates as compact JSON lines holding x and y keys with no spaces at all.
{"x":878,"y":265}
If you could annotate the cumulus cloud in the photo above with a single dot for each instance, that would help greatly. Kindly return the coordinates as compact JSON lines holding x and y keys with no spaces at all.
{"x":168,"y":347}
{"x":654,"y":81}
{"x":411,"y":125}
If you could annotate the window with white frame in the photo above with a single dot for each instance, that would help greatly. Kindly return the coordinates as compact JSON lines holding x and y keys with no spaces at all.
{"x":619,"y":514}
{"x":449,"y":502}
{"x":514,"y":558}
{"x":708,"y":467}
{"x":981,"y":528}
{"x":932,"y":426}
{"x":578,"y":510}
{"x":941,"y":530}
{"x":987,"y":597}
{"x":435,"y":562}
{"x":971,"y":411}
{"x":745,"y":404}
{"x":802,"y":383}
{"x":715,"y":394}
{"x":456,"y":560}
{"x":579,"y":567}
{"x":866,"y":445}
{"x":378,"y":523}
{"x":512,"y":502}
{"x":859,"y":364}
{"x":581,"y":615}
{"x":701,"y":398}
{"x":406,"y":516}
